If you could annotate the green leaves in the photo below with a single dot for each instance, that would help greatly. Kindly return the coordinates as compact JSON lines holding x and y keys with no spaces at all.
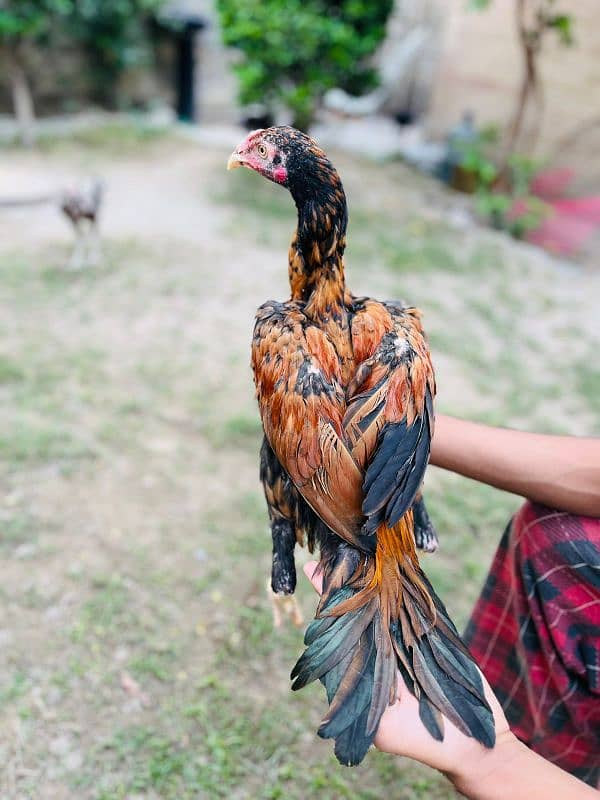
{"x":475,"y":157}
{"x":514,"y":209}
{"x":28,"y":18}
{"x":292,"y":51}
{"x":563,"y":25}
{"x":545,"y":19}
{"x":112,"y":33}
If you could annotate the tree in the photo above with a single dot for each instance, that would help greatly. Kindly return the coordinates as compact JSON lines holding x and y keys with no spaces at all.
{"x":114,"y":37}
{"x":292,"y":51}
{"x":21,"y":23}
{"x":535,"y":19}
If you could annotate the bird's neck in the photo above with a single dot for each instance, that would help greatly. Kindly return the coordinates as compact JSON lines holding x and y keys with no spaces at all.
{"x":316,"y":256}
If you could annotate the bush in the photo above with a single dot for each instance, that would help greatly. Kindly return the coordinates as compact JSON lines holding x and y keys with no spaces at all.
{"x":294,"y":50}
{"x":23,"y":22}
{"x":505,"y":197}
{"x":114,"y":35}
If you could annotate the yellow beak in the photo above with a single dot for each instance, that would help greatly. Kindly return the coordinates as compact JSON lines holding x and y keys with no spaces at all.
{"x":234,"y":161}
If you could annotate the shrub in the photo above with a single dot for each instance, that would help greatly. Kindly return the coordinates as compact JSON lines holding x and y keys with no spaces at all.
{"x":504,"y":198}
{"x":292,"y":51}
{"x":114,"y":35}
{"x":23,"y":22}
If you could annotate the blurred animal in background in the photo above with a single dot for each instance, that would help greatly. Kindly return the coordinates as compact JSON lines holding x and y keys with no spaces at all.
{"x":81,"y":205}
{"x":345,"y":390}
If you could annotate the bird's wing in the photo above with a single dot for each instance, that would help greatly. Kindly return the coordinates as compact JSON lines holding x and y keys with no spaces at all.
{"x":388,"y":423}
{"x":355,"y":453}
{"x":302,"y":404}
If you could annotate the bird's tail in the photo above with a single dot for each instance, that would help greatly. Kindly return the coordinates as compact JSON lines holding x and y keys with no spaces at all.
{"x":378,"y":615}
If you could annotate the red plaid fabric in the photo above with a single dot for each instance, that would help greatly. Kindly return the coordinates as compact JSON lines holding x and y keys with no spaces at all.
{"x":535,"y":632}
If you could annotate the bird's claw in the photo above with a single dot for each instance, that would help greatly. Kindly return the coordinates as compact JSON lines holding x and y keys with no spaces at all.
{"x":284,"y":605}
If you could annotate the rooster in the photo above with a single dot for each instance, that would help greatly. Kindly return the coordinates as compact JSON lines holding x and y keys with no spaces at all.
{"x":345,"y":389}
{"x":81,"y":206}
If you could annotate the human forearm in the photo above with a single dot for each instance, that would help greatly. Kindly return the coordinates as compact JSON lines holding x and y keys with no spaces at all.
{"x":560,"y":471}
{"x":512,"y":770}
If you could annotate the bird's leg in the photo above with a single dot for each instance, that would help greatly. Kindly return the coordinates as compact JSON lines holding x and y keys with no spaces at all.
{"x":86,"y":244}
{"x":76,"y":259}
{"x":283,"y":573}
{"x":283,"y":569}
{"x":426,"y":537}
{"x":94,"y":248}
{"x":284,"y":605}
{"x":282,"y":502}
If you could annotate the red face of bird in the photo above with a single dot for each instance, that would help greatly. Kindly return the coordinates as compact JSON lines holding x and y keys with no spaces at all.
{"x":259,"y":151}
{"x":292,"y":159}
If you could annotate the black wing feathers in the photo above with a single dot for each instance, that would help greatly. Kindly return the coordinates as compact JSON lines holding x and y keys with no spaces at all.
{"x":396,"y":472}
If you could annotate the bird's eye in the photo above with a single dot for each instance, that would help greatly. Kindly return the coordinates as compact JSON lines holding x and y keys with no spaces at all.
{"x":262,"y":150}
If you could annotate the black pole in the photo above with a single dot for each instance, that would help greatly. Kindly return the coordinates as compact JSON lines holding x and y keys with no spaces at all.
{"x":184,"y":27}
{"x":185,"y":77}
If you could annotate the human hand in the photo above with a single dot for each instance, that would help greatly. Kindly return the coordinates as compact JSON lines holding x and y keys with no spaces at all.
{"x":402,"y":733}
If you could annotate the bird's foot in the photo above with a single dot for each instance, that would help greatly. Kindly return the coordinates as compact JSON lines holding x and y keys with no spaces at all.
{"x":426,"y":537}
{"x":75,"y":263}
{"x":284,"y":605}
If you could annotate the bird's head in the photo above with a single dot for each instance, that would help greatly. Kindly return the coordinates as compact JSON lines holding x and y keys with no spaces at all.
{"x":264,"y":152}
{"x":288,"y":157}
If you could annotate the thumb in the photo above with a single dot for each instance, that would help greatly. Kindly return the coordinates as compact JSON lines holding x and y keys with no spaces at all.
{"x":314,"y":575}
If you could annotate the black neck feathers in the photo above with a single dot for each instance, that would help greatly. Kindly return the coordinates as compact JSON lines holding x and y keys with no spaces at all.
{"x":322,"y":214}
{"x":316,"y":253}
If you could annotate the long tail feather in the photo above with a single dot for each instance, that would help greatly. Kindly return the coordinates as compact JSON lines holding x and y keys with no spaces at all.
{"x":327,"y":650}
{"x":363,"y":635}
{"x":350,"y":689}
{"x":384,"y":676}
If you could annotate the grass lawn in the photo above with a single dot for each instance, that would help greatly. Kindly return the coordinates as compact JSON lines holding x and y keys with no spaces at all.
{"x":137,"y":653}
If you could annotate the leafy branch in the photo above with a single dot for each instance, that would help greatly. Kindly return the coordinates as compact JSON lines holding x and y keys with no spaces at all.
{"x":535,"y":21}
{"x":292,"y":51}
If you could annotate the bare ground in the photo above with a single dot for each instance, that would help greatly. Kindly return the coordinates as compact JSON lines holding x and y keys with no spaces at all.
{"x":137,"y":656}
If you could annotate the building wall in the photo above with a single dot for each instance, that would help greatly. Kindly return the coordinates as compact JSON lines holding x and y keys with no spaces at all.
{"x":480,"y":70}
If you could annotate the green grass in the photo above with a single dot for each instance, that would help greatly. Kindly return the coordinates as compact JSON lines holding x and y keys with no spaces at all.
{"x":115,"y":137}
{"x":34,"y":440}
{"x":242,"y":430}
{"x":252,"y":197}
{"x":469,"y":518}
{"x":10,"y":371}
{"x":118,"y":137}
{"x":129,"y":449}
{"x":106,"y":611}
{"x":224,"y":747}
{"x":13,"y":688}
{"x":17,"y":527}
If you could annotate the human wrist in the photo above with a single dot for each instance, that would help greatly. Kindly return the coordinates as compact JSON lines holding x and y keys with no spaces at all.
{"x":487,"y":775}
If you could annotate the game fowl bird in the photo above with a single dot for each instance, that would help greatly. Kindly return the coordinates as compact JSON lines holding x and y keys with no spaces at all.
{"x":345,"y":390}
{"x":81,"y":205}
